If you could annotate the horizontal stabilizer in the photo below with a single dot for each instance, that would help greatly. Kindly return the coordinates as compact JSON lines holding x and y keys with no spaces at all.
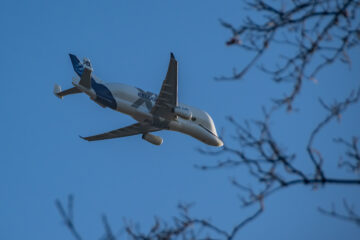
{"x":60,"y":94}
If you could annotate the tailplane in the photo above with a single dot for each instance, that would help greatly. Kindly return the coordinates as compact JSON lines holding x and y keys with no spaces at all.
{"x":60,"y":94}
{"x":83,"y":70}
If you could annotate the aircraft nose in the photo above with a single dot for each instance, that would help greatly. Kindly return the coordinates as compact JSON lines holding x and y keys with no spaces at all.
{"x":219,"y":143}
{"x":216,"y":142}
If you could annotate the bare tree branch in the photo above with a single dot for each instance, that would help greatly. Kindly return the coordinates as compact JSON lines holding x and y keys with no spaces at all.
{"x":68,"y":217}
{"x":108,"y":232}
{"x":316,"y":33}
{"x":353,"y":154}
{"x":334,"y":111}
{"x":272,"y":167}
{"x":188,"y":227}
{"x":349,"y":214}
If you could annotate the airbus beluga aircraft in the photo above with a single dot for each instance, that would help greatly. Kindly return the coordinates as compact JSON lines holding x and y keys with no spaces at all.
{"x":152,"y":112}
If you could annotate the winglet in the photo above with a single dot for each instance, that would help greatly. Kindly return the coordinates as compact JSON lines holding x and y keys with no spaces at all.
{"x":172,"y":55}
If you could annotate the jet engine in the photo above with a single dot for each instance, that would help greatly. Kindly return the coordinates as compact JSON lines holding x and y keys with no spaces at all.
{"x":183,"y":112}
{"x":156,"y":140}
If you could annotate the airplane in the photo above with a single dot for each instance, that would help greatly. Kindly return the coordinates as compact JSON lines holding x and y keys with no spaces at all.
{"x":152,"y":112}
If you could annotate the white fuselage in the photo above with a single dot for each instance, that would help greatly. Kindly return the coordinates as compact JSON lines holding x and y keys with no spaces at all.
{"x":138,"y":104}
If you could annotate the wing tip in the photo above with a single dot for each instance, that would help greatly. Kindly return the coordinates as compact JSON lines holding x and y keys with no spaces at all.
{"x":85,"y":138}
{"x":172,"y":55}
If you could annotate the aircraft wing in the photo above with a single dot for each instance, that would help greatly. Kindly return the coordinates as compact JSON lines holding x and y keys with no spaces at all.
{"x":137,"y":128}
{"x":168,"y":96}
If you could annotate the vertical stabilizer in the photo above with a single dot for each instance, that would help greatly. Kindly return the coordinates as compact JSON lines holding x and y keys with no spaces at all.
{"x":83,"y":70}
{"x":78,"y":67}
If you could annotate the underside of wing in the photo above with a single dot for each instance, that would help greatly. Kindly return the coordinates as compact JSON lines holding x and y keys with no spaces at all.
{"x":137,"y":128}
{"x":168,"y":96}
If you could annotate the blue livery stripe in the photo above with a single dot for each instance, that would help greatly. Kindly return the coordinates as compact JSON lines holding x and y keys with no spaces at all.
{"x":103,"y":94}
{"x":78,"y":67}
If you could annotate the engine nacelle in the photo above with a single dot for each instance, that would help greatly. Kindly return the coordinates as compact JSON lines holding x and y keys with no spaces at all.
{"x":183,"y":112}
{"x":156,"y":140}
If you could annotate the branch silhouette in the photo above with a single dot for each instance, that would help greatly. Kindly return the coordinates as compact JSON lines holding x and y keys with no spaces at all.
{"x":274,"y":169}
{"x":316,"y":34}
{"x":348,"y":215}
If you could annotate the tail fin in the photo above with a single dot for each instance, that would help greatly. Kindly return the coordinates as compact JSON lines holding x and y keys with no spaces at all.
{"x":77,"y":65}
{"x":83,"y":70}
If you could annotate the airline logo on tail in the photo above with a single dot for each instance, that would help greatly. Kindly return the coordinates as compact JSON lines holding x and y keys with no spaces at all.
{"x":77,"y":65}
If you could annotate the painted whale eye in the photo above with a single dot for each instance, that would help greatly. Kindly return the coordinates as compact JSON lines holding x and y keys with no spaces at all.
{"x":193,"y":119}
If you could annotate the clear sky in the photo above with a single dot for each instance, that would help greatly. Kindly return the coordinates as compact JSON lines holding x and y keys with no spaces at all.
{"x":42,"y":158}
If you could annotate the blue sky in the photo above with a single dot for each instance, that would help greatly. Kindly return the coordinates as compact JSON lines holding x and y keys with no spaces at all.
{"x":42,"y":157}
